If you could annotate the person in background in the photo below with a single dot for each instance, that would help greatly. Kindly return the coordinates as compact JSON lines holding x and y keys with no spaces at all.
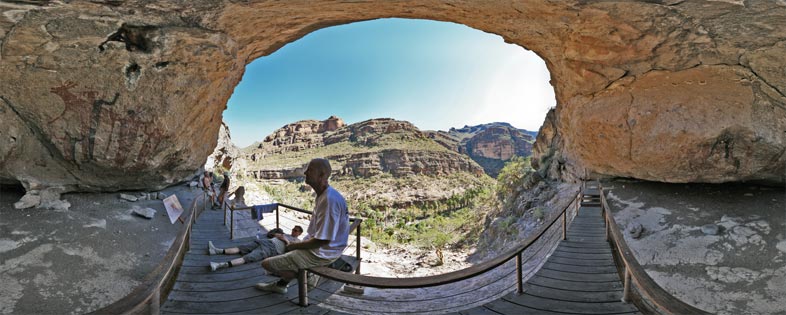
{"x":207,"y":185}
{"x":222,"y":191}
{"x":240,"y":198}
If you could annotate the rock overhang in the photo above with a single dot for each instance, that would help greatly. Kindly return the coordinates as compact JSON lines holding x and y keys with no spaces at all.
{"x":129,"y":94}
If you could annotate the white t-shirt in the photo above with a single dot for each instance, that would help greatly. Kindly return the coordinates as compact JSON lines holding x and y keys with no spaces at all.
{"x":330,"y":221}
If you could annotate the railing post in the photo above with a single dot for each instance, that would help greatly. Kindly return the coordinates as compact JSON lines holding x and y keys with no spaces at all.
{"x":357,"y":245}
{"x":302,"y":287}
{"x":277,"y":215}
{"x":626,"y":290}
{"x":519,"y":280}
{"x":564,"y":225}
{"x":225,"y":214}
{"x":606,"y":222}
{"x":231,"y":224}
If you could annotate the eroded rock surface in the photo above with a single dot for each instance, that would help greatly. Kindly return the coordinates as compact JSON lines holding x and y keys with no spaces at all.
{"x":490,"y":145}
{"x":364,"y":149}
{"x":110,"y":95}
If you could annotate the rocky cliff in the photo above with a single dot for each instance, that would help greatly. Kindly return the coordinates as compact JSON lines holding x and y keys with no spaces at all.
{"x":225,"y":153}
{"x":108,"y":95}
{"x":363,"y":149}
{"x":385,"y":162}
{"x":490,"y":145}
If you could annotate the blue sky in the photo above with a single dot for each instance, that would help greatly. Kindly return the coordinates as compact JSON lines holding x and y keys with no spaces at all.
{"x":436,"y":75}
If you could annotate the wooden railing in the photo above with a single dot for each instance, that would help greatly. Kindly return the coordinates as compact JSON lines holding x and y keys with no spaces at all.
{"x":450,"y":277}
{"x":647,"y":294}
{"x":156,"y":285}
{"x":355,"y":224}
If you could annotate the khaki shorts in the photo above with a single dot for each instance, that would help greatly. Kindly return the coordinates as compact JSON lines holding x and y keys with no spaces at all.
{"x":297,"y":259}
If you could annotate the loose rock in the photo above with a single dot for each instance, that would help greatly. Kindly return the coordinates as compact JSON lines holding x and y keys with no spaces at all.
{"x":28,"y":201}
{"x":128,"y":197}
{"x":146,"y":213}
{"x":710,"y":229}
{"x":635,"y":230}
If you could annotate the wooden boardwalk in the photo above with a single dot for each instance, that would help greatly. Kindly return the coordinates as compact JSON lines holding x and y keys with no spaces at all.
{"x":577,"y":276}
{"x":580,"y":277}
{"x":197,"y":290}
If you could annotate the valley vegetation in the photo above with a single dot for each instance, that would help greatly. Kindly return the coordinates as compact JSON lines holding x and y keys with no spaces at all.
{"x":409,"y":189}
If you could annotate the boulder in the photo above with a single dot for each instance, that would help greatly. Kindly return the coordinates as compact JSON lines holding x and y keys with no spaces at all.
{"x":29,"y":200}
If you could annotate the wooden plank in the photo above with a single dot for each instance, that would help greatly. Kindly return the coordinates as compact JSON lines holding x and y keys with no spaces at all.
{"x":571,"y":243}
{"x":572,"y":285}
{"x":224,"y":276}
{"x":595,"y":240}
{"x":216,"y":296}
{"x":578,"y":277}
{"x":606,"y":257}
{"x":222,"y":286}
{"x":573,"y":295}
{"x":502,"y":306}
{"x":203,"y":269}
{"x":312,"y":309}
{"x":579,"y":262}
{"x":262,"y":305}
{"x":580,"y":269}
{"x":555,"y":305}
{"x":204,"y":261}
{"x":583,"y":250}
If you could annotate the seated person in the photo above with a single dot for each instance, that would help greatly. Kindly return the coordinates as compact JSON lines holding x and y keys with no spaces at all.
{"x":240,"y":198}
{"x":259,"y":249}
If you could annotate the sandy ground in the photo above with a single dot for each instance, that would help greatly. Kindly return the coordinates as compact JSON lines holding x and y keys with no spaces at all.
{"x":81,"y":259}
{"x":740,"y":270}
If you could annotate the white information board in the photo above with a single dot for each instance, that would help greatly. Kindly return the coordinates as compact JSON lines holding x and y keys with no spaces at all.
{"x":173,"y":208}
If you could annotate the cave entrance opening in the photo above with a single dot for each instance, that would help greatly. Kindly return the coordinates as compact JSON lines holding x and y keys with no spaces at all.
{"x":383,"y":99}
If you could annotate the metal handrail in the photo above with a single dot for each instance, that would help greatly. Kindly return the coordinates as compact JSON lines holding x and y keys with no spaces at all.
{"x":662,"y":301}
{"x":156,"y":285}
{"x":446,"y":278}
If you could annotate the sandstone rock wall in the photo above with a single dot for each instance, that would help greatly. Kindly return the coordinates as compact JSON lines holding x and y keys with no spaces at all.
{"x":380,"y":145}
{"x":108,"y":95}
{"x":490,"y":145}
{"x":300,"y":135}
{"x":225,"y":154}
{"x":405,"y":162}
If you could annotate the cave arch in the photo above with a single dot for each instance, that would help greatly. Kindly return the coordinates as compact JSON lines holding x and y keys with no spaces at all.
{"x":657,"y":90}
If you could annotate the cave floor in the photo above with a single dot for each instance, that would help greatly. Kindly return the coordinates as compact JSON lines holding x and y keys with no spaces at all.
{"x":78,"y":260}
{"x":739,"y":270}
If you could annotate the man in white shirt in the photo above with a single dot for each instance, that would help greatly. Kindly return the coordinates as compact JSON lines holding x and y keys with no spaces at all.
{"x":328,"y":232}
